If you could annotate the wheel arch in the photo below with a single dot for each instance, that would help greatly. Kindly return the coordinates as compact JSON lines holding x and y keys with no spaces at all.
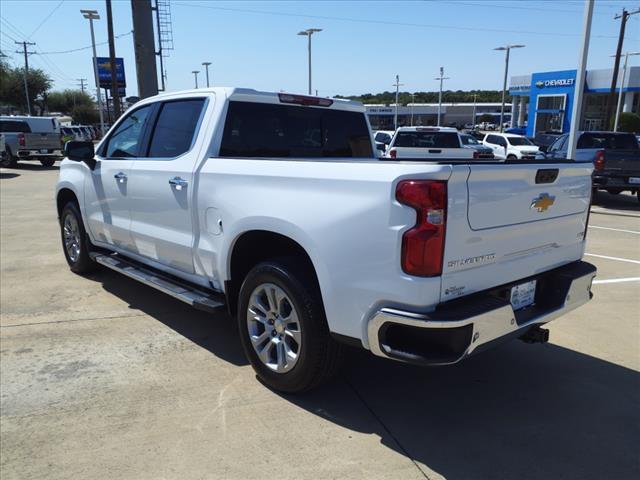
{"x":64,"y":196}
{"x":255,"y":246}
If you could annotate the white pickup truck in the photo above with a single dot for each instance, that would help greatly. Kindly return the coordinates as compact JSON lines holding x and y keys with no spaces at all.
{"x":430,"y":143}
{"x":275,"y":205}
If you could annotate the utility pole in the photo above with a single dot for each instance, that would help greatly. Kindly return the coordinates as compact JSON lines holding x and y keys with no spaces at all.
{"x":441,"y":78}
{"x":413,"y":100}
{"x":81,"y":80}
{"x":397,"y":85}
{"x":308,"y":32}
{"x":26,"y":71}
{"x":195,"y":75}
{"x":144,"y":46}
{"x":206,"y":67}
{"x":507,"y":50}
{"x":624,"y":75}
{"x":115,"y":93}
{"x":624,"y":16}
{"x":92,"y":15}
{"x":581,"y":75}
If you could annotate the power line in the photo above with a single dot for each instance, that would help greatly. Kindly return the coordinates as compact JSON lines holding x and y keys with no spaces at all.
{"x":386,"y":22}
{"x":84,"y":48}
{"x":15,"y":29}
{"x":511,"y":6}
{"x":46,"y":18}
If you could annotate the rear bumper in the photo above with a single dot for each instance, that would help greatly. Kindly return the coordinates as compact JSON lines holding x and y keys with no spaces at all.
{"x":50,"y":152}
{"x":605,"y":181}
{"x":461,"y":327}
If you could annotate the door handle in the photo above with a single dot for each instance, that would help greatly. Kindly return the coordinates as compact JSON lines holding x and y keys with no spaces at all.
{"x":120,"y":177}
{"x":178,"y":183}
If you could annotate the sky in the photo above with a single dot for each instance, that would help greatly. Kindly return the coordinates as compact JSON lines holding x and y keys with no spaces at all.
{"x":362,"y":46}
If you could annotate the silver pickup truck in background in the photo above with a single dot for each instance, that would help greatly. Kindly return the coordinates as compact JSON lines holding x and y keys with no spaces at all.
{"x":615,"y":157}
{"x":23,"y":143}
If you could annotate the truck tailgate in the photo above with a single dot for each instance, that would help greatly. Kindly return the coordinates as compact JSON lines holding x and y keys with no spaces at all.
{"x":37,"y":141}
{"x":517,"y":220}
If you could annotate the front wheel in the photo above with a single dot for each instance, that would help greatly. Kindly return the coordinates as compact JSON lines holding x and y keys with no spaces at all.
{"x":75,"y":242}
{"x":283,"y":328}
{"x":47,"y":162}
{"x":511,"y":157}
{"x":8,"y":161}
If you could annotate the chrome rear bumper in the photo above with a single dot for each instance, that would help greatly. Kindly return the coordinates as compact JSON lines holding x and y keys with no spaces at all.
{"x":459,"y":328}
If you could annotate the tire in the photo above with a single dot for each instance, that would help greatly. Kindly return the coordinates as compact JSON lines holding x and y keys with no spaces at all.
{"x":9,"y":161}
{"x":47,"y":162}
{"x":511,"y":157}
{"x":75,"y":241}
{"x":317,"y":354}
{"x":614,"y":191}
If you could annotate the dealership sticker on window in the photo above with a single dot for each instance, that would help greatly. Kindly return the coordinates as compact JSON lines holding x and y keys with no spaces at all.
{"x":523,"y":295}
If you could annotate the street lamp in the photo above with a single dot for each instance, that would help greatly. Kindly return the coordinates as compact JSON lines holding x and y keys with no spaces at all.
{"x":506,"y":49}
{"x":308,"y":32}
{"x":195,"y":74}
{"x":397,"y":85}
{"x":206,"y":67}
{"x":441,"y":78}
{"x":92,"y":15}
{"x":624,"y":74}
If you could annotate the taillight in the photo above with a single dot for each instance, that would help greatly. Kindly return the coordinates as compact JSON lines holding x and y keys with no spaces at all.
{"x":393,"y":153}
{"x":598,"y":164}
{"x":476,"y":154}
{"x":423,"y":244}
{"x":305,"y":100}
{"x":21,"y":139}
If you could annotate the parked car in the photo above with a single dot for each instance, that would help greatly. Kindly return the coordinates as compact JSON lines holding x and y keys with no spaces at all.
{"x":516,"y":130}
{"x":383,"y":139}
{"x":545,"y":139}
{"x":615,"y":157}
{"x":276,"y":206}
{"x":427,"y":143}
{"x":469,"y":141}
{"x":510,"y":146}
{"x":23,"y":144}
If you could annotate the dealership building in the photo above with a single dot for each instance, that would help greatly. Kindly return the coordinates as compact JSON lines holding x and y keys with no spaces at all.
{"x":543,"y":101}
{"x":381,"y":117}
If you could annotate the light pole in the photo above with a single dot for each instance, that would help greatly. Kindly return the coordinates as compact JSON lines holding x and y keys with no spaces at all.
{"x":92,"y":15}
{"x":624,"y":74}
{"x":473,"y":120}
{"x":413,"y":100}
{"x":195,"y":75}
{"x":308,"y":32}
{"x":441,"y":78}
{"x":206,"y":68}
{"x":506,"y":49}
{"x":397,"y":85}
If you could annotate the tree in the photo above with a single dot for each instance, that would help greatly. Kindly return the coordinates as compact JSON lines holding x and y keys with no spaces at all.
{"x":67,"y":100}
{"x":629,"y":122}
{"x":85,"y":115}
{"x":485,"y":117}
{"x":12,"y":86}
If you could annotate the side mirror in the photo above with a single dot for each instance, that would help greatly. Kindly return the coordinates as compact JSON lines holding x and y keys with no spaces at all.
{"x":81,"y":152}
{"x":543,"y":148}
{"x":381,"y":146}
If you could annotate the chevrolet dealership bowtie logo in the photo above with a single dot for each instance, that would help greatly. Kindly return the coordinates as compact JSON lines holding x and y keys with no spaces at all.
{"x":539,"y":84}
{"x":542,"y":202}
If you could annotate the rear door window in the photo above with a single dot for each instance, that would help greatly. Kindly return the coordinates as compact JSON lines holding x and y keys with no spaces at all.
{"x":14,"y":126}
{"x":608,"y":141}
{"x":271,"y":130}
{"x":494,"y":139}
{"x":175,"y":128}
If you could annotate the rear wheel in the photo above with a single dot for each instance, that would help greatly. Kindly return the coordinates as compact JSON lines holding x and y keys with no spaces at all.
{"x":511,"y":157}
{"x":47,"y":162}
{"x":8,"y":161}
{"x":283,"y":328}
{"x":614,"y":191}
{"x":75,"y":242}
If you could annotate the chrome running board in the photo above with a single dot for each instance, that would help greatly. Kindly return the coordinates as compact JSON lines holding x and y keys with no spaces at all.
{"x":165,"y":283}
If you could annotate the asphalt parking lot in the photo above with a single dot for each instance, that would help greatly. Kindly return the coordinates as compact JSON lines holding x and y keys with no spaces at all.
{"x":102,"y":377}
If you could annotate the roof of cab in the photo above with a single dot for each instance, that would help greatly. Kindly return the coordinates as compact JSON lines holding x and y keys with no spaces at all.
{"x":252,"y":95}
{"x":427,"y":129}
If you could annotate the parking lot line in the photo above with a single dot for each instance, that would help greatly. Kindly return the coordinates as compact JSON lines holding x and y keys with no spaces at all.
{"x":615,"y":229}
{"x":613,"y":258}
{"x":617,"y":280}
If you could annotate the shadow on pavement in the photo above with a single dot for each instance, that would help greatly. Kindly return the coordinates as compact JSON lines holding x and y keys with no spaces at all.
{"x":621,"y":201}
{"x":34,"y":165}
{"x":519,"y":411}
{"x":8,"y":175}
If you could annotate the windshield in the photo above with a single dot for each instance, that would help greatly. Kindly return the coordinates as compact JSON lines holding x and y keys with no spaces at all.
{"x":519,"y":141}
{"x":469,"y":140}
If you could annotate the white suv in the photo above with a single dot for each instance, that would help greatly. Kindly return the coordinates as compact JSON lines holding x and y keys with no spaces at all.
{"x":510,"y":146}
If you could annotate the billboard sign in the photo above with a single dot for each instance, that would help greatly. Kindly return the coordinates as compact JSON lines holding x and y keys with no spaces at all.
{"x":104,"y":72}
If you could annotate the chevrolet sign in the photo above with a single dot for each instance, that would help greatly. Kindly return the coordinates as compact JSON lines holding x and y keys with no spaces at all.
{"x":560,"y":82}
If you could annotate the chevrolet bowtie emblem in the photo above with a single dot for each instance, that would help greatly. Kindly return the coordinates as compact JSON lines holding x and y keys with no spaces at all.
{"x":542,"y":202}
